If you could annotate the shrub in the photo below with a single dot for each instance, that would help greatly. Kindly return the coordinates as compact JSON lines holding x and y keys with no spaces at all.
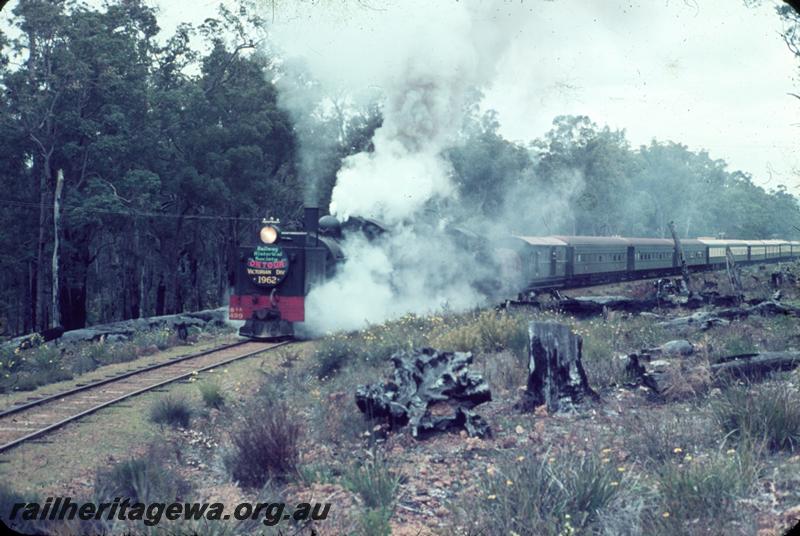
{"x":707,"y":488}
{"x":212,"y":394}
{"x":265,"y":445}
{"x":487,"y":331}
{"x":656,"y":439}
{"x":768,"y":413}
{"x":331,"y":355}
{"x":374,"y":482}
{"x":142,"y":479}
{"x":173,"y":410}
{"x":375,"y":522}
{"x":553,"y":495}
{"x":8,"y":498}
{"x":504,"y":370}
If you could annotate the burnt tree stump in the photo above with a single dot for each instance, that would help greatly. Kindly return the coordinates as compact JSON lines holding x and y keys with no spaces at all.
{"x":431,"y":391}
{"x":556,"y":377}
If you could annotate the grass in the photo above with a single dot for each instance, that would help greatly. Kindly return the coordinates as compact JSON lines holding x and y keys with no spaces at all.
{"x":487,"y":331}
{"x":8,"y":498}
{"x":549,"y":496}
{"x":172,"y":410}
{"x":47,"y":363}
{"x":375,"y":522}
{"x":265,"y":445}
{"x":373,"y":482}
{"x":673,"y":433}
{"x":142,"y":479}
{"x":377,"y":486}
{"x":707,"y":489}
{"x":768,"y":413}
{"x":211,"y":392}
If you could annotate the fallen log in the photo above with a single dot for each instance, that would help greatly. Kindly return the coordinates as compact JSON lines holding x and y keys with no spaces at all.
{"x":596,"y":305}
{"x":702,"y":320}
{"x":556,"y":377}
{"x":678,"y":378}
{"x":754,"y":365}
{"x":707,"y":319}
{"x":674,"y":379}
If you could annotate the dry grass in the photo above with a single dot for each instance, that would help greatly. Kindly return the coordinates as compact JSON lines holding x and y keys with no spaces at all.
{"x":265,"y":444}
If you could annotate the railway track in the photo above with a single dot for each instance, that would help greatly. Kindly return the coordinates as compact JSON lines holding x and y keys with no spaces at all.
{"x":31,"y":420}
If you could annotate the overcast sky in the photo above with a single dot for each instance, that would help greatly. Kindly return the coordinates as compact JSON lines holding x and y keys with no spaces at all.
{"x":712,"y":74}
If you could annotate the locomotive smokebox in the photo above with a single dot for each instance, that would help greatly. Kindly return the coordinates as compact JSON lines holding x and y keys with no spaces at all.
{"x":311,"y":224}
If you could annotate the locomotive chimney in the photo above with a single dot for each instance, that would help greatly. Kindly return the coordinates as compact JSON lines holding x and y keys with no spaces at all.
{"x":311,"y":224}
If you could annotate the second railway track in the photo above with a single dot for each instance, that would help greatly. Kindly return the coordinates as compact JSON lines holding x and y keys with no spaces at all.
{"x":34,"y":419}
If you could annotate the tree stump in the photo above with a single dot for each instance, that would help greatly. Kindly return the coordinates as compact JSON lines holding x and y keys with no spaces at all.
{"x":431,"y":391}
{"x":556,"y":377}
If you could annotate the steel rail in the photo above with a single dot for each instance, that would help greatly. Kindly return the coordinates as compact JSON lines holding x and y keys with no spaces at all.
{"x":83,"y":387}
{"x":59,"y":424}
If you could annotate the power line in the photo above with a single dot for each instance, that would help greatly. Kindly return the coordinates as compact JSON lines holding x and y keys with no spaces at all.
{"x":129,"y":213}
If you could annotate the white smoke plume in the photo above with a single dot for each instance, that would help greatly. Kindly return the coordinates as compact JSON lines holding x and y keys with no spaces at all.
{"x":426,"y":58}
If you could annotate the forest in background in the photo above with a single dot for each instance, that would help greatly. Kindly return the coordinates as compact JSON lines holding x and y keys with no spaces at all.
{"x":160,"y":155}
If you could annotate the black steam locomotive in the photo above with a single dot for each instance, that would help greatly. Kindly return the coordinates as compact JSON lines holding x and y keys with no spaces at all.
{"x":277,"y":269}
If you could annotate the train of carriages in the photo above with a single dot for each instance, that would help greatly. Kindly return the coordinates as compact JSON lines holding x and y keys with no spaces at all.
{"x":277,"y":269}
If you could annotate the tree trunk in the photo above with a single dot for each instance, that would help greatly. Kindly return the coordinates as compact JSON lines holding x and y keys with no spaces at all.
{"x":161,"y":297}
{"x":681,"y":259}
{"x":40,"y":322}
{"x":555,"y":373}
{"x":56,"y":314}
{"x":142,"y":293}
{"x":733,"y":274}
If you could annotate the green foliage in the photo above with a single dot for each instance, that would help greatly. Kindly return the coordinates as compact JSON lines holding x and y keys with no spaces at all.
{"x":547,"y":496}
{"x":707,"y":488}
{"x":48,"y":363}
{"x":134,"y":134}
{"x":767,"y":413}
{"x":172,"y":410}
{"x":146,"y":479}
{"x":212,"y":394}
{"x":373,"y":482}
{"x":372,"y":346}
{"x":486,"y":331}
{"x":375,"y":522}
{"x":266,"y":441}
{"x":28,"y":369}
{"x":9,"y":497}
{"x":669,"y":437}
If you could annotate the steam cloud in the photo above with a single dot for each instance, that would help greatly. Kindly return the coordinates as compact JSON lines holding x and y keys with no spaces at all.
{"x":425,"y":58}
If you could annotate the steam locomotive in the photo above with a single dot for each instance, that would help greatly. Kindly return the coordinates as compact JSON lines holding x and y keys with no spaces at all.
{"x":276,"y":269}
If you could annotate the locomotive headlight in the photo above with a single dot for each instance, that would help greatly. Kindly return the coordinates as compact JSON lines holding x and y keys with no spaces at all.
{"x":269,"y":234}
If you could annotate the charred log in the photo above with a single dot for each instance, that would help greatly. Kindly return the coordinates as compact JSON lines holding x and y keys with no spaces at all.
{"x":556,"y":377}
{"x":756,"y":365}
{"x":669,"y":378}
{"x":431,"y":392}
{"x":677,"y":378}
{"x":707,"y":319}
